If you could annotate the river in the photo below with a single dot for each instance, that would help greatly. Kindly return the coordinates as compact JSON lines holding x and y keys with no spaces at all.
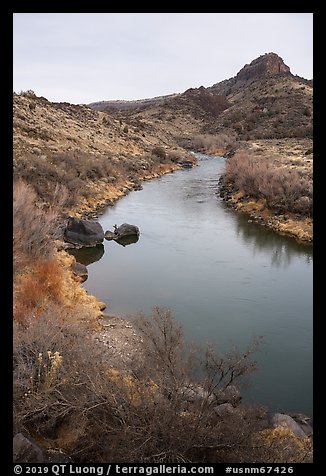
{"x":225,"y":279}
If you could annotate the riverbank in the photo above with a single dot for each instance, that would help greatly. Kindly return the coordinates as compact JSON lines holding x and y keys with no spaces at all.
{"x":299,"y":228}
{"x":105,"y":195}
{"x":283,"y":156}
{"x":93,"y":388}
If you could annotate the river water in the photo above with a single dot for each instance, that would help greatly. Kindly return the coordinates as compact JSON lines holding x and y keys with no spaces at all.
{"x":225,"y":279}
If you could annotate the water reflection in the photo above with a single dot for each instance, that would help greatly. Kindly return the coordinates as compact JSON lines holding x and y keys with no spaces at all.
{"x":282,"y":249}
{"x":127,"y":240}
{"x":225,"y":279}
{"x":88,"y":255}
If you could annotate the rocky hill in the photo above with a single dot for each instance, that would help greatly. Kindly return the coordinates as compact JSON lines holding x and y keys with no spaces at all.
{"x":91,"y":154}
{"x":78,"y":377}
{"x":263,"y":101}
{"x":111,"y":143}
{"x":267,"y":102}
{"x":270,"y":63}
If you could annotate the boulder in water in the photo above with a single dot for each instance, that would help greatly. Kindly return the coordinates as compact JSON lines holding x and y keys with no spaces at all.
{"x":83,"y":232}
{"x":122,"y":231}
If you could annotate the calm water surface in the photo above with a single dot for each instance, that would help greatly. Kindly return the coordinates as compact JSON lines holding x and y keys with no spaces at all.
{"x":226,"y":280}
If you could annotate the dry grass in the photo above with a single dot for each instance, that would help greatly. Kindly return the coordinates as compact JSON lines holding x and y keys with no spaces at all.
{"x":36,"y":288}
{"x":284,"y":190}
{"x":34,"y":226}
{"x":68,"y":399}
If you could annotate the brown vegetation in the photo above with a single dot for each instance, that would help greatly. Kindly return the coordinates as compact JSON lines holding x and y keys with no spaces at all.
{"x":34,"y":225}
{"x":68,"y":395}
{"x":79,"y":173}
{"x":67,"y":398}
{"x":283,"y":190}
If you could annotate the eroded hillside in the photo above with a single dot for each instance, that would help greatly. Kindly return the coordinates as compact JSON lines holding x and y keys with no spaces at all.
{"x":93,"y":155}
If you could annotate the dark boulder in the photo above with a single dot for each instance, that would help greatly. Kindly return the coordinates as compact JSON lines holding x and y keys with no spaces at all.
{"x":26,"y":451}
{"x":186,"y":164}
{"x":83,"y":232}
{"x":80,"y":271}
{"x":122,"y":231}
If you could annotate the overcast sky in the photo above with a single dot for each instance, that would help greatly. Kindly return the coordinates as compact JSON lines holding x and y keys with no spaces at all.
{"x":87,"y":57}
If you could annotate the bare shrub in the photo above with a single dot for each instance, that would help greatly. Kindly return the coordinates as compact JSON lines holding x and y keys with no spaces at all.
{"x":160,"y":411}
{"x":284,"y":190}
{"x":34,"y":227}
{"x":208,"y":142}
{"x":36,"y":288}
{"x":159,"y":152}
{"x":72,"y":170}
{"x":55,"y":367}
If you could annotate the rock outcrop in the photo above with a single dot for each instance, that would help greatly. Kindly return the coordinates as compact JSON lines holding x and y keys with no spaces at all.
{"x":270,"y":63}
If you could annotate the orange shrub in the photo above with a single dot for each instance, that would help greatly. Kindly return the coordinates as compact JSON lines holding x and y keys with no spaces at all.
{"x":38,"y":287}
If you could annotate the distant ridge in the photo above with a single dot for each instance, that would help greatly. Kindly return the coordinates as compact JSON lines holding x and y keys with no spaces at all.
{"x":268,"y":64}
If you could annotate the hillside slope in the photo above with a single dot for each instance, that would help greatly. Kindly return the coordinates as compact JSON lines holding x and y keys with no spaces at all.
{"x":263,"y":101}
{"x":91,"y":154}
{"x":98,"y":152}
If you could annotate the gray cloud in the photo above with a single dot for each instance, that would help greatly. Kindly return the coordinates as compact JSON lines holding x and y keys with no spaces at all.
{"x":85,"y":57}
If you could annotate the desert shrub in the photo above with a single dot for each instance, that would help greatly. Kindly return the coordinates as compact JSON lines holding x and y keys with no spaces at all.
{"x":54,"y":367}
{"x":284,"y":190}
{"x":159,"y":152}
{"x":34,"y":226}
{"x":209,"y":142}
{"x":65,"y":391}
{"x":72,"y":170}
{"x":28,"y":93}
{"x":36,"y":288}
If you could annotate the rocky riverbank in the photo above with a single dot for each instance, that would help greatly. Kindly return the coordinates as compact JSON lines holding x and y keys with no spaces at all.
{"x":282,"y":156}
{"x":287,"y":224}
{"x":106,"y":195}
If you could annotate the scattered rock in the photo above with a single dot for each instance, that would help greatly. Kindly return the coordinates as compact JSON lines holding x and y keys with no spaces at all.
{"x":109,"y":235}
{"x":302,"y":421}
{"x":122,"y":231}
{"x":54,"y":456}
{"x":229,"y":395}
{"x":192,"y":393}
{"x":80,"y":270}
{"x":186,"y":164}
{"x":25,"y":450}
{"x":224,"y":410}
{"x":83,"y":232}
{"x":285,"y":421}
{"x":102,"y":305}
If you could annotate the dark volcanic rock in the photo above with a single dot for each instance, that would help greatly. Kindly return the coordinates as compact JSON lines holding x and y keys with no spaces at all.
{"x":83,"y":232}
{"x":122,"y":231}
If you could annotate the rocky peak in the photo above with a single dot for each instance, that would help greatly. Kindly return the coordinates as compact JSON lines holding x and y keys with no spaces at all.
{"x":269,"y":63}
